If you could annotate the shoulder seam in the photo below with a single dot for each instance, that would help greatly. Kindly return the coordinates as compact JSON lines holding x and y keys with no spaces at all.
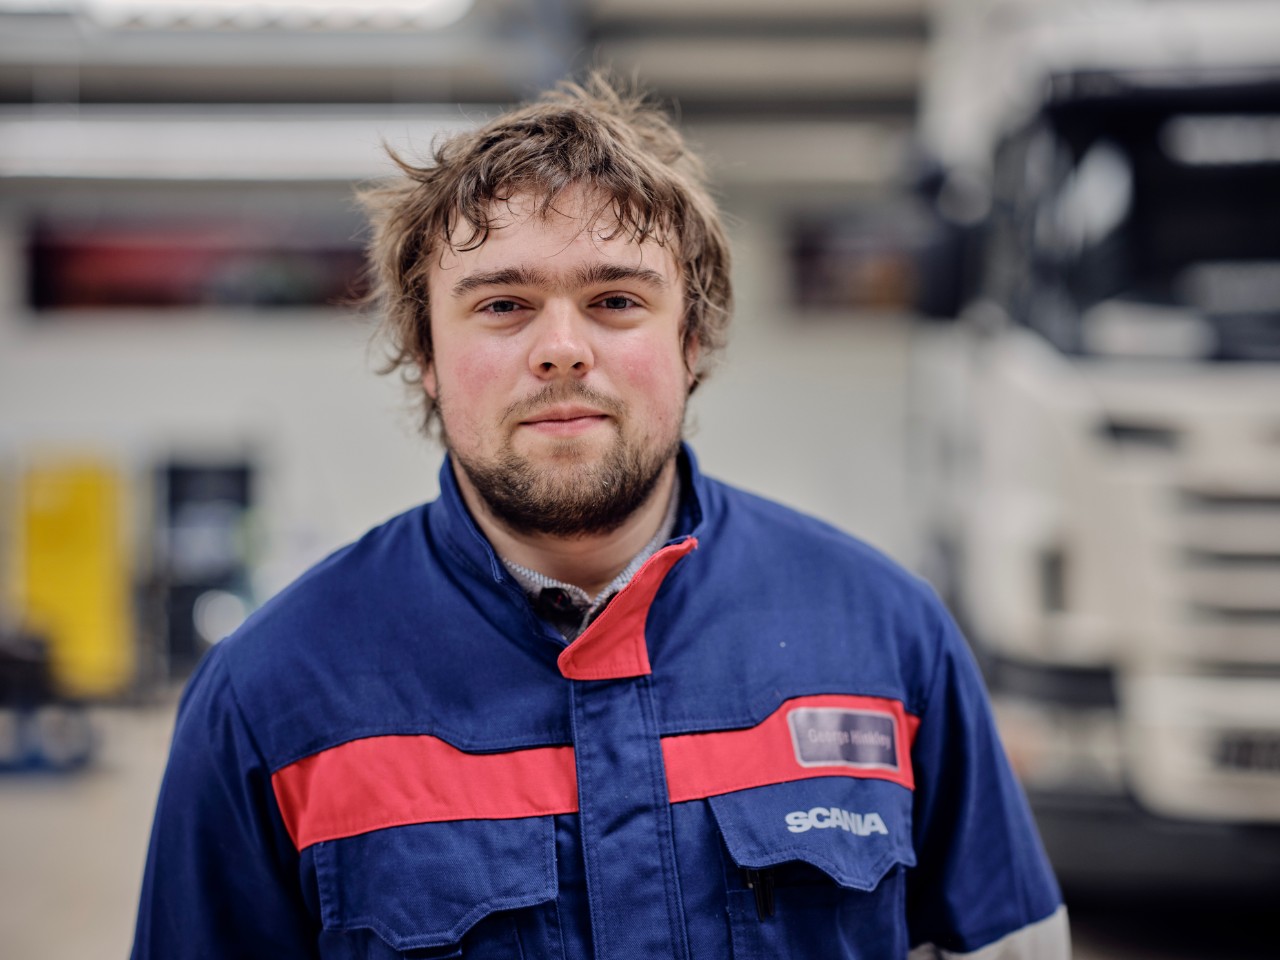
{"x":244,"y":718}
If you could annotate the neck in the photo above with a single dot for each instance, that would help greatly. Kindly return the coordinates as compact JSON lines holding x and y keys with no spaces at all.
{"x":590,"y":562}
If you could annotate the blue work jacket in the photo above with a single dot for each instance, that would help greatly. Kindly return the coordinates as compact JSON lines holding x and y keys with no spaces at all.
{"x":772,"y":743}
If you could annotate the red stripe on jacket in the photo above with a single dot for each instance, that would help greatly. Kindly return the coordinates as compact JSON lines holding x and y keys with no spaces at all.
{"x":390,"y":781}
{"x":701,"y":765}
{"x":379,"y":782}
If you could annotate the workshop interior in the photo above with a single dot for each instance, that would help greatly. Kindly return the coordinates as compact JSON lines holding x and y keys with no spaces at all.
{"x":1007,"y":308}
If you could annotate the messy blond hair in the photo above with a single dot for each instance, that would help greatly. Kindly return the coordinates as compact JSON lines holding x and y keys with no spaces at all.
{"x":594,"y":134}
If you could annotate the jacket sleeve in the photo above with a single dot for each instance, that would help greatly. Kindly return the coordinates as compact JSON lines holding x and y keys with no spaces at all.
{"x":983,"y":887}
{"x":221,"y":877}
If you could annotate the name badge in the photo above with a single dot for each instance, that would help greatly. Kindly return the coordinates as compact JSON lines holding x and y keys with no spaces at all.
{"x":833,"y":737}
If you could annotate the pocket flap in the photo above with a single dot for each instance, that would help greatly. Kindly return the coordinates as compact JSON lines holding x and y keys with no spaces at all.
{"x":425,"y":885}
{"x":852,"y":830}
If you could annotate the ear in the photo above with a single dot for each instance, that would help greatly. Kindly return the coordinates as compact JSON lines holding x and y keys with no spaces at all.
{"x":429,"y":383}
{"x":692,"y":353}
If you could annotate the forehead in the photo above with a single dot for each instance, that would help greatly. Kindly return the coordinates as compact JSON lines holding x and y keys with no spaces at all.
{"x":579,"y":227}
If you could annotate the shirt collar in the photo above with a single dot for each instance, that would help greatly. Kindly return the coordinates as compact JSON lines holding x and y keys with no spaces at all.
{"x":535,"y":584}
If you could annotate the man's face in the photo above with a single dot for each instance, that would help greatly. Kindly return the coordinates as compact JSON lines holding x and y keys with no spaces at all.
{"x":558,"y":372}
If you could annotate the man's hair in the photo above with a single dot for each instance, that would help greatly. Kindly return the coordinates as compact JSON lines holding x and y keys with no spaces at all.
{"x":612,"y":141}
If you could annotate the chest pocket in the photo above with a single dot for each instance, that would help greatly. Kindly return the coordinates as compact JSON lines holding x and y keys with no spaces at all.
{"x":475,"y":888}
{"x":816,"y":868}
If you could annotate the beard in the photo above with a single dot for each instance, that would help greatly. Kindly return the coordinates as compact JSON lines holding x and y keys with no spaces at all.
{"x":570,"y":497}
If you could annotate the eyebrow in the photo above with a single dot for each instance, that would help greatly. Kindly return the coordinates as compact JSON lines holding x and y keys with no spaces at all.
{"x":616,"y":273}
{"x":588,"y":275}
{"x":507,"y":277}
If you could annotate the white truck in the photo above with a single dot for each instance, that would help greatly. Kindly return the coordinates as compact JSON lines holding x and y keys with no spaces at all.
{"x":1099,"y":421}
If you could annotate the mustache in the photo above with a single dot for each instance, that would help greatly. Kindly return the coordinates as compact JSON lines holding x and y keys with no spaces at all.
{"x":554,"y":393}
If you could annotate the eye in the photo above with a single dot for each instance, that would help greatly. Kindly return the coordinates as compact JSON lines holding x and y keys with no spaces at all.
{"x":501,"y":306}
{"x":616,"y":301}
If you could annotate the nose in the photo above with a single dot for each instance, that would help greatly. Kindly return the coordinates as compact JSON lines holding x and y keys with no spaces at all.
{"x":561,"y":346}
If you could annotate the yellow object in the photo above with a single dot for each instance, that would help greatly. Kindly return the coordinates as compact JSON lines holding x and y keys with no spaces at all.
{"x":73,"y":574}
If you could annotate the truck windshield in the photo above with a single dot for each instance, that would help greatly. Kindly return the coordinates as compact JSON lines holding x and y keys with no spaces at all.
{"x":1140,"y":219}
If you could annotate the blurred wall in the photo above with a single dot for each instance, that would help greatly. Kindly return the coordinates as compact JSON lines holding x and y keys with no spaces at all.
{"x":150,"y":127}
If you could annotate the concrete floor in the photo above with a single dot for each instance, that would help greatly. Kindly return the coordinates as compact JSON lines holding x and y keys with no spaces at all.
{"x":72,"y":845}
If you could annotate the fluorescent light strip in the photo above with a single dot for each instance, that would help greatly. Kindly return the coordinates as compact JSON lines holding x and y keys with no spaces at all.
{"x":249,"y":14}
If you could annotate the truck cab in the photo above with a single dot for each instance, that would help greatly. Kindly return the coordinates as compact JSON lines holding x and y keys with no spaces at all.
{"x":1100,"y":465}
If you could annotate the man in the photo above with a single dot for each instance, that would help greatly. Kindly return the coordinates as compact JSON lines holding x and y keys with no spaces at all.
{"x":589,"y":703}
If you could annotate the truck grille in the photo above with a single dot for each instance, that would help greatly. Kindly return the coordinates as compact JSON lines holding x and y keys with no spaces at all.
{"x":1230,"y":574}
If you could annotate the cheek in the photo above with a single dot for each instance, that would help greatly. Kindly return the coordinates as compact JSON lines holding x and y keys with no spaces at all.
{"x":657,"y":380}
{"x":468,"y":374}
{"x":471,"y":400}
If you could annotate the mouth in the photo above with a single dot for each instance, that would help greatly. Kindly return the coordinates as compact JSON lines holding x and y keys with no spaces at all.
{"x":562,"y":413}
{"x":565,"y":420}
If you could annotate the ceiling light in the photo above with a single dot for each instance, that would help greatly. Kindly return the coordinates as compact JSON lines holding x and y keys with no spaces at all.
{"x":247,"y":14}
